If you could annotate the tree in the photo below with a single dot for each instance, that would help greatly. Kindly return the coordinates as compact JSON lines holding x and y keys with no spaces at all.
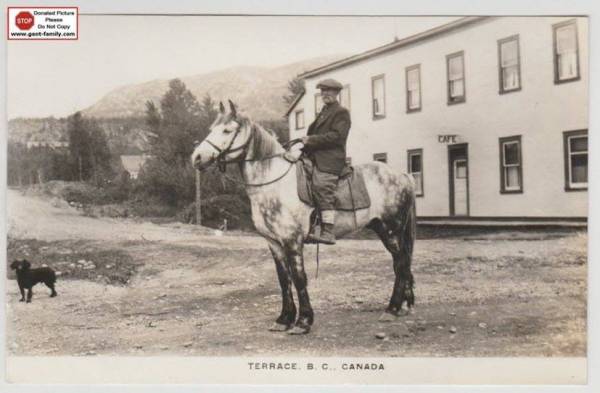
{"x":295,"y":88}
{"x":174,"y":130}
{"x":100,"y":156}
{"x":209,"y":112}
{"x":88,"y":148}
{"x":79,"y":147}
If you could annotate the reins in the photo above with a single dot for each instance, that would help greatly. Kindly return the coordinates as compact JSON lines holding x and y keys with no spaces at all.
{"x":222,"y":162}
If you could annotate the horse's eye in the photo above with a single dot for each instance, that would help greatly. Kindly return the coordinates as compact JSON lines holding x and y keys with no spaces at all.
{"x":226,"y":131}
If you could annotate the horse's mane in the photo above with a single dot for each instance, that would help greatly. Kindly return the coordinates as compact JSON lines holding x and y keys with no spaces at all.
{"x":264,"y":141}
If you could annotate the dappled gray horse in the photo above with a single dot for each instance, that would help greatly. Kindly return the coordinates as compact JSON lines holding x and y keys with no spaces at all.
{"x":284,"y":221}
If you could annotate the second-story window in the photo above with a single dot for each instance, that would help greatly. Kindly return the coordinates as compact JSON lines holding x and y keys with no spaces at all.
{"x":318,"y":103}
{"x":413,"y":88}
{"x":344,"y":97}
{"x":566,"y":52}
{"x":378,"y":96}
{"x":455,"y":64}
{"x":509,"y":64}
{"x":299,"y":119}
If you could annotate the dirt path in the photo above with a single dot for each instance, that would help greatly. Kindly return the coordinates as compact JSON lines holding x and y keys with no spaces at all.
{"x":188,"y":292}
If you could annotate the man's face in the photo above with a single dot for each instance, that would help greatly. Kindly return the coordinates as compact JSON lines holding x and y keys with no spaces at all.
{"x":329,"y":96}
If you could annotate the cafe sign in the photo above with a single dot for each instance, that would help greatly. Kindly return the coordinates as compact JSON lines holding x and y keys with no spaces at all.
{"x":448,"y":138}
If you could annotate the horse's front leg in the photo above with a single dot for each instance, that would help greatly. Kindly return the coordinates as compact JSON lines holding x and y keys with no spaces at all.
{"x":295,"y":260}
{"x":288,"y":308}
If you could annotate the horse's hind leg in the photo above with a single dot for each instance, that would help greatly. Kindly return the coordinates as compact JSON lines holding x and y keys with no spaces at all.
{"x":393,"y":237}
{"x":288,"y":309}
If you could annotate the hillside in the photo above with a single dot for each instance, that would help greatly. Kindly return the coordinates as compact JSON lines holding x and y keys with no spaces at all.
{"x":258,"y":90}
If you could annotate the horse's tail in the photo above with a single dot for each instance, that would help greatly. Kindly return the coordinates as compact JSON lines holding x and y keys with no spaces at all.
{"x":406,"y":237}
{"x":409,"y":226}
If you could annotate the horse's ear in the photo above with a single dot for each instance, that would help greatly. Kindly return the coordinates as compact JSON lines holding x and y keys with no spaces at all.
{"x":221,"y":107}
{"x":232,"y":108}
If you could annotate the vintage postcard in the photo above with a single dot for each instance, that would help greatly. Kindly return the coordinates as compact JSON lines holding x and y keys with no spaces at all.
{"x":251,"y":198}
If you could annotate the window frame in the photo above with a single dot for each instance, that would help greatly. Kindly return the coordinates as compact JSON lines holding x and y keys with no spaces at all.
{"x":373,"y":79}
{"x":555,"y":27}
{"x":463,"y":98}
{"x":503,"y":187}
{"x":501,"y":89}
{"x":380,"y":157}
{"x":346,"y":87}
{"x":409,"y":154}
{"x":296,"y":113}
{"x":317,"y":96}
{"x":406,"y":72}
{"x":567,"y":158}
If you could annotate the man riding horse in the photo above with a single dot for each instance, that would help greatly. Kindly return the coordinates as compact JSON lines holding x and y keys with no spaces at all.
{"x":325,"y":145}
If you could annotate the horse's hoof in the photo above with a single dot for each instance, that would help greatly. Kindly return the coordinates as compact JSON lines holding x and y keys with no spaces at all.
{"x":278,"y":327}
{"x":297,"y":330}
{"x":388,"y":317}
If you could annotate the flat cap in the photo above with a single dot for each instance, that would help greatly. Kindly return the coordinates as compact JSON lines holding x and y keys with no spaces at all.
{"x":330,"y":84}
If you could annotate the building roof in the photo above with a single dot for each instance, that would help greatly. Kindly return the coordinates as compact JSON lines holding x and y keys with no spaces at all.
{"x":294,"y":103}
{"x":133,"y":163}
{"x":391,"y":46}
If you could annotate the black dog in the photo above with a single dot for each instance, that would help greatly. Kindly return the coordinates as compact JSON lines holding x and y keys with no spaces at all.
{"x":27,"y":278}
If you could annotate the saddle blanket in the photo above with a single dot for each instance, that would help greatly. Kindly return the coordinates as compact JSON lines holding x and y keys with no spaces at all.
{"x":351,"y":193}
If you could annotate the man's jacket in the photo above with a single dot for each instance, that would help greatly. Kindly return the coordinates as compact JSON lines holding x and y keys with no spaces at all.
{"x":327,"y":138}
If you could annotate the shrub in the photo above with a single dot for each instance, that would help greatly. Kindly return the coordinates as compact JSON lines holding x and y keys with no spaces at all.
{"x":231,"y":207}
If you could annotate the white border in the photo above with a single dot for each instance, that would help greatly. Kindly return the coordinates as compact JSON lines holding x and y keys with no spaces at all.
{"x":350,"y":7}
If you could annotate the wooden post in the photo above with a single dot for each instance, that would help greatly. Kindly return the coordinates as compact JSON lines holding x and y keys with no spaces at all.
{"x":198,"y":201}
{"x":80,"y":169}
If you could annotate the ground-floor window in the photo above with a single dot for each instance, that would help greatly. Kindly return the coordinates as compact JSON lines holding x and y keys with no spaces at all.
{"x":299,"y":119}
{"x":511,"y":168}
{"x":576,"y":159}
{"x":415,"y":168}
{"x":381,"y":157}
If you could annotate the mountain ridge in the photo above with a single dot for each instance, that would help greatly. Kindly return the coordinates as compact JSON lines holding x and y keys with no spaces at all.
{"x":257,"y":90}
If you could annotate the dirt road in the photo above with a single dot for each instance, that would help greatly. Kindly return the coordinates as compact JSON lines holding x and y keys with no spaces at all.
{"x":136,"y":288}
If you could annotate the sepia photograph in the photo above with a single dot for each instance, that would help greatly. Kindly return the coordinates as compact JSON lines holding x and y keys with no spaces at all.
{"x":324,"y":197}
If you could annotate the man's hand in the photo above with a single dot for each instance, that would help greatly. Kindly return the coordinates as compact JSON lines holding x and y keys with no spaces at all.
{"x":304,"y":139}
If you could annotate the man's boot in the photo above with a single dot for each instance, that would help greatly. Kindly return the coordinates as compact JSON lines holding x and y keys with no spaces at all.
{"x":325,"y":235}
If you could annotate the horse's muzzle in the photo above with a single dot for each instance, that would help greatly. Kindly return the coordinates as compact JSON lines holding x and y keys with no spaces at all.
{"x":199,"y":165}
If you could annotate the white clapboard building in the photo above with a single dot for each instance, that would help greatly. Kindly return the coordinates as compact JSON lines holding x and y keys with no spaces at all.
{"x":490,"y":115}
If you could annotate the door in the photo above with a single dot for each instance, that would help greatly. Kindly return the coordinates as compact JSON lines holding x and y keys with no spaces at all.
{"x":458,"y":179}
{"x":460,"y":187}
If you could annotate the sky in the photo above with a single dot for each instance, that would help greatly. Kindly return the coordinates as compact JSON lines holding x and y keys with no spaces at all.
{"x":57,"y":78}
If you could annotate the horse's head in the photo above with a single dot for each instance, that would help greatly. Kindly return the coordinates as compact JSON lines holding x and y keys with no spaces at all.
{"x":228,"y":140}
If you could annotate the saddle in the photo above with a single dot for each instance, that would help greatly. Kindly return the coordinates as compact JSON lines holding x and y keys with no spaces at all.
{"x":351,"y":193}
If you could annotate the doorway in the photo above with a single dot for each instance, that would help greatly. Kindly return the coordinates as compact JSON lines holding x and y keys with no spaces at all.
{"x":458,"y":168}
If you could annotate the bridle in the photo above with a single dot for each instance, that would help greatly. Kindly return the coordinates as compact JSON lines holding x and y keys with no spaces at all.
{"x":221,"y":158}
{"x":222,"y":161}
